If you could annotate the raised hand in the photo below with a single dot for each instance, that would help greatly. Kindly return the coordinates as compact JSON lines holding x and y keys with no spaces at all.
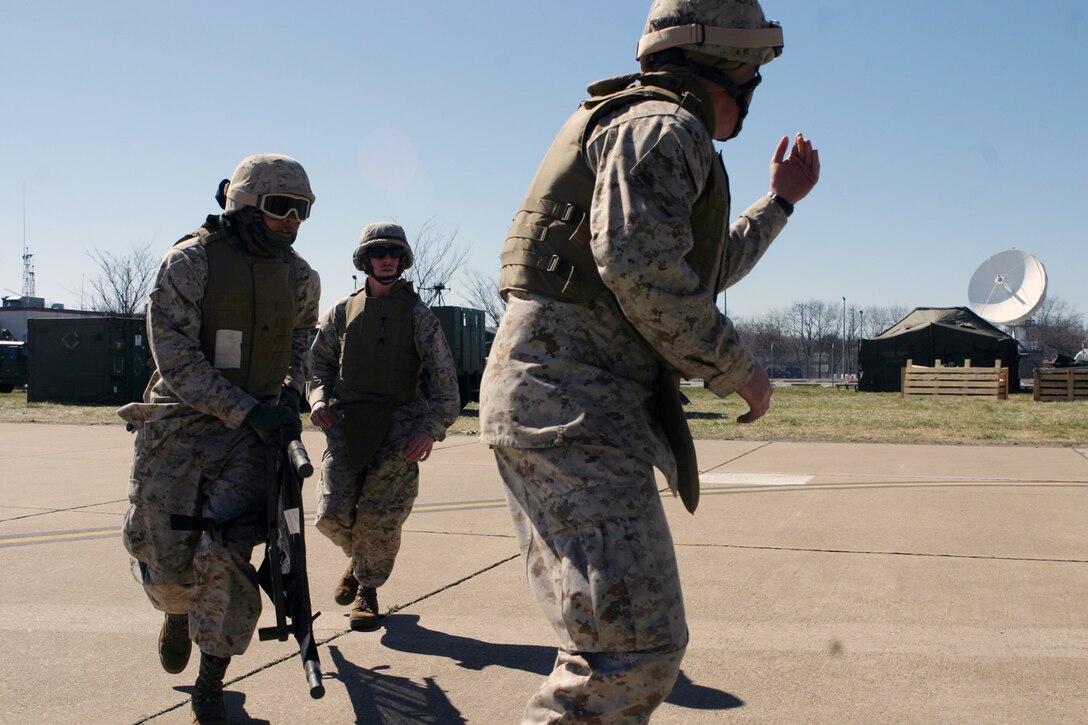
{"x":793,"y":176}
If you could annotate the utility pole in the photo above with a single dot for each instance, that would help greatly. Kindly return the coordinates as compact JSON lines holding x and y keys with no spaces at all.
{"x":845,"y":347}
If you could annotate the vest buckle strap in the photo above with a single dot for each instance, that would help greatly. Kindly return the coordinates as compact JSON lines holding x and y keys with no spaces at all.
{"x":557,"y":264}
{"x":563,"y":211}
{"x":569,"y":214}
{"x":524,"y":258}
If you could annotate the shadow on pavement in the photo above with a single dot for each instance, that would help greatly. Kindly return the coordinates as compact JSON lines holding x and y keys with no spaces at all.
{"x":380,"y":698}
{"x":686,"y":693}
{"x":403,"y":633}
{"x":235,"y":702}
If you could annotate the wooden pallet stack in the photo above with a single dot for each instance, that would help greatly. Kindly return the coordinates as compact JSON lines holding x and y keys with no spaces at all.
{"x":919,"y":380}
{"x":1060,"y":384}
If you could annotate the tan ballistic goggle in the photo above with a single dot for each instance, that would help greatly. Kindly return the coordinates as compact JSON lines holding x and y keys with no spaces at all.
{"x":281,"y":206}
{"x":769,"y":37}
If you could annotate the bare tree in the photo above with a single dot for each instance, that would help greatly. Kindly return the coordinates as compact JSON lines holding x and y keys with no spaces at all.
{"x":483,"y":292}
{"x":1059,"y":329}
{"x":123,"y":281}
{"x":878,"y":319}
{"x":813,"y":325}
{"x":438,"y":258}
{"x":764,"y":337}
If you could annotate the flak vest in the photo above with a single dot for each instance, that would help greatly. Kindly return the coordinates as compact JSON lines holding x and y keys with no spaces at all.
{"x":247,"y":314}
{"x":547,"y":249}
{"x":378,"y":356}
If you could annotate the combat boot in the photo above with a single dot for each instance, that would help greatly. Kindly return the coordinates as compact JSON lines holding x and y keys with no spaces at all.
{"x":208,"y":706}
{"x":347,"y":587}
{"x":364,"y":615}
{"x":174,"y":643}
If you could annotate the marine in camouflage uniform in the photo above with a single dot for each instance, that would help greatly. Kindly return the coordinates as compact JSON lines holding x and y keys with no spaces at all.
{"x":221,"y":383}
{"x":610,"y":272}
{"x":369,"y":354}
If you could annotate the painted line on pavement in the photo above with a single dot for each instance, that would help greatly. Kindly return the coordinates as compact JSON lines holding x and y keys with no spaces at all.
{"x":754,"y":479}
{"x":777,"y":485}
{"x":895,"y":484}
{"x":52,"y":537}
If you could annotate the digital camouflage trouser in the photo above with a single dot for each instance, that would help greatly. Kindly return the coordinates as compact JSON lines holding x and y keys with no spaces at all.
{"x":202,"y":469}
{"x":363,"y":512}
{"x":600,"y":561}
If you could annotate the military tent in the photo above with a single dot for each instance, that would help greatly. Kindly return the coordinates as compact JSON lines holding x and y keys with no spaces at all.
{"x":952,"y":335}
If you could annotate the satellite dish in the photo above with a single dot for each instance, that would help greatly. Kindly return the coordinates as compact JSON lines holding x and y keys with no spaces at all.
{"x":1008,"y":287}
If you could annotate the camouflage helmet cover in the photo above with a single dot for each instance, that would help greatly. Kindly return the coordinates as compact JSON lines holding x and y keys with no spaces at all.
{"x":266,"y":174}
{"x":382,"y":234}
{"x":734,"y":30}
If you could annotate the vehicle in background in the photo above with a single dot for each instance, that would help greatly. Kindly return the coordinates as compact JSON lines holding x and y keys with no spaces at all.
{"x":780,"y":372}
{"x":13,"y":367}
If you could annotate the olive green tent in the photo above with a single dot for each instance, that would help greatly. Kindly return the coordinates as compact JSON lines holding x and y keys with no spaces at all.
{"x":952,"y":335}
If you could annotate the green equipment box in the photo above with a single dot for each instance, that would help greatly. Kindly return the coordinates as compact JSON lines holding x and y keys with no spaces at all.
{"x":99,"y":360}
{"x":465,"y":333}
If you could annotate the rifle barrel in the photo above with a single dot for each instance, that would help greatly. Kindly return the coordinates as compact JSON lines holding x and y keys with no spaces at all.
{"x":300,"y":461}
{"x":313,"y":677}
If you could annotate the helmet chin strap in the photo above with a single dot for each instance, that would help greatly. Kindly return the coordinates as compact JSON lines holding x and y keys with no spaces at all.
{"x":738,"y":93}
{"x":742,"y":108}
{"x":388,"y":279}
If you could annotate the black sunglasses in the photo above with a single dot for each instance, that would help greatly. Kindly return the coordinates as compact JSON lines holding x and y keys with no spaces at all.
{"x":379,"y":252}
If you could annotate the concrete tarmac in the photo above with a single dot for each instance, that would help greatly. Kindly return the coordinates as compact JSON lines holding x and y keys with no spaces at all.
{"x":824,"y":583}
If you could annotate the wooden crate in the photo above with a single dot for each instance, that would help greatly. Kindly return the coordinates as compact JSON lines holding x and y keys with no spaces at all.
{"x":920,"y":381}
{"x":1060,"y":384}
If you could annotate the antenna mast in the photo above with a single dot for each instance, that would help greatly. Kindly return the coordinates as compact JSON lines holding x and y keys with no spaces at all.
{"x":438,"y":289}
{"x":28,"y":258}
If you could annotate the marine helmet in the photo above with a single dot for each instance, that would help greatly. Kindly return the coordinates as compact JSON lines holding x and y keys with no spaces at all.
{"x":270,"y":175}
{"x":723,"y":41}
{"x":732,"y":30}
{"x":382,"y":234}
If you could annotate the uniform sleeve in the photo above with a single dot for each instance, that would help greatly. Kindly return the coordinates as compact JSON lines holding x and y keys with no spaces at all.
{"x":444,"y":403}
{"x":325,"y":355}
{"x":309,"y":297}
{"x":649,"y":172}
{"x":173,"y":318}
{"x":750,"y":236}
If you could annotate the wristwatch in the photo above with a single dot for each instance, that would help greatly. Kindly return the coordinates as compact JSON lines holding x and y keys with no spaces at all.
{"x":782,"y":203}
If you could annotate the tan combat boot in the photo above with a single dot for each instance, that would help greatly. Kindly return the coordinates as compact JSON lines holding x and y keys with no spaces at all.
{"x":208,"y":706}
{"x":364,"y":615}
{"x":174,"y":643}
{"x":346,"y":587}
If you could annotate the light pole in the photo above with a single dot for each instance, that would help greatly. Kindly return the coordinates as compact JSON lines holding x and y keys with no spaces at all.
{"x":845,"y":347}
{"x":772,"y":361}
{"x":861,"y":336}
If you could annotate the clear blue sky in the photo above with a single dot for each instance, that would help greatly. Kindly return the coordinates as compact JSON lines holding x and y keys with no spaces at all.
{"x":948,"y":131}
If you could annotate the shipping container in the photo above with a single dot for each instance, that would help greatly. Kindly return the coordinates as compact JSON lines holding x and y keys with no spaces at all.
{"x":465,"y":333}
{"x":102,"y":360}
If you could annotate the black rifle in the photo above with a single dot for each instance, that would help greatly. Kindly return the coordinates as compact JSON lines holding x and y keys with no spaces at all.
{"x":283,"y":573}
